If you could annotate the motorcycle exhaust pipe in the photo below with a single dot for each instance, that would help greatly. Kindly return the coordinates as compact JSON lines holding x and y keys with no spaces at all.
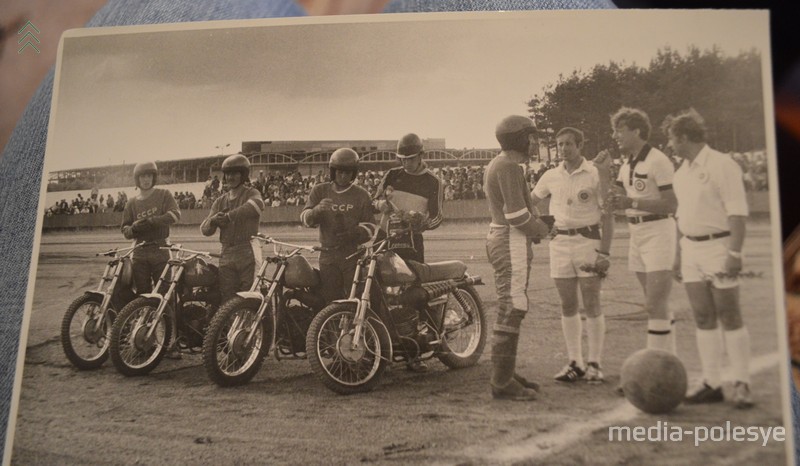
{"x":472,"y":280}
{"x":419,"y":295}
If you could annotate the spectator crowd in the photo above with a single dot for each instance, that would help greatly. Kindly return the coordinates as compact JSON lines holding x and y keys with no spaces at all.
{"x":291,"y":188}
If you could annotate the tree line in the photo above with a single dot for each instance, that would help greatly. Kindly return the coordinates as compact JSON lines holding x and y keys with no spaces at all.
{"x":727,"y":91}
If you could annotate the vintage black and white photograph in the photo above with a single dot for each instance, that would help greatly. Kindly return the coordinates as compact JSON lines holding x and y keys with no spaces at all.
{"x":465,"y":238}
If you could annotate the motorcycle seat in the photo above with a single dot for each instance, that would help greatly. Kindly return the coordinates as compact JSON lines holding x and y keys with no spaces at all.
{"x":437,"y":271}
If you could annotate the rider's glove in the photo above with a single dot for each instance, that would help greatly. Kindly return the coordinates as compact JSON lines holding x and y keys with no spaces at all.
{"x":141,"y":225}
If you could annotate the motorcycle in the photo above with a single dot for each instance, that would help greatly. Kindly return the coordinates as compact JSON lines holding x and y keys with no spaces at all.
{"x":405,"y":311}
{"x":87,"y":323}
{"x":274,"y":313}
{"x":183,"y":301}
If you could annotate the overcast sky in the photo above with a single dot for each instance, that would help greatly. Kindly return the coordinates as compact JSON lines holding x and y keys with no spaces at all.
{"x":178,"y":94}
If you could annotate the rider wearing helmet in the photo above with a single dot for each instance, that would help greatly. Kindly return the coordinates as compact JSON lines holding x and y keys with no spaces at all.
{"x":413,"y":191}
{"x":146,"y":218}
{"x":508,"y":247}
{"x":343,"y":212}
{"x":236,"y":213}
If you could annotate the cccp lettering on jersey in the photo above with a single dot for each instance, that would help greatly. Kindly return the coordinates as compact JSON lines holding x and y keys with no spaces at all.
{"x":147,"y":213}
{"x":342,"y":207}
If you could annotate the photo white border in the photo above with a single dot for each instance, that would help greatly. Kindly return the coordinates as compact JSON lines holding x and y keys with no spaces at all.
{"x":760,"y":22}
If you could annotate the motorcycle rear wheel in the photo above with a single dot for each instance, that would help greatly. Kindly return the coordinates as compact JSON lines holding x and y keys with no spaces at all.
{"x":465,"y":331}
{"x":85,"y":347}
{"x":227,"y":359}
{"x":130,"y":354}
{"x":341,"y":368}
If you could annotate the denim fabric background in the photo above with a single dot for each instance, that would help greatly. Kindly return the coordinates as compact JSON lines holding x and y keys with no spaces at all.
{"x":21,"y":164}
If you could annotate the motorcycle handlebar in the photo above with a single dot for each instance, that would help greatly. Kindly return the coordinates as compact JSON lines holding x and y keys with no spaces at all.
{"x":179,"y":248}
{"x":114,"y":252}
{"x":273,"y":241}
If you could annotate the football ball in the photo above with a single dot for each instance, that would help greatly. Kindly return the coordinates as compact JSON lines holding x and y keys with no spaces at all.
{"x":654,"y":380}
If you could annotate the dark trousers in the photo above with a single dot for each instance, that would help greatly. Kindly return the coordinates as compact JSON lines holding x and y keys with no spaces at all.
{"x":336,"y":275}
{"x":237,"y":269}
{"x":417,"y":254}
{"x":148,"y":263}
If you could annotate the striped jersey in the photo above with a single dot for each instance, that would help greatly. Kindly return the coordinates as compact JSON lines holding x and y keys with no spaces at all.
{"x":244,"y":212}
{"x":507,"y":193}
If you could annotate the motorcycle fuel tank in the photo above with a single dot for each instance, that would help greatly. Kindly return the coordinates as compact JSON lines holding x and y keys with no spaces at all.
{"x":300,"y":274}
{"x":394,"y":271}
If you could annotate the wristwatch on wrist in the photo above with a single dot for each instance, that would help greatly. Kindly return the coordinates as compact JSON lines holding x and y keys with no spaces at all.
{"x":635,"y":204}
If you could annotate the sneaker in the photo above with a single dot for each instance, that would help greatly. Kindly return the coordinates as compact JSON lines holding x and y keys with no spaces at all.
{"x":705,"y":394}
{"x":570,"y":373}
{"x":594,"y":375}
{"x":417,"y":366}
{"x":742,"y":398}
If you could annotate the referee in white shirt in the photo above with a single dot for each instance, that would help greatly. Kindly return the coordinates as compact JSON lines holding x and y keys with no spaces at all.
{"x":712,"y":210}
{"x":579,"y":251}
{"x":649,"y":202}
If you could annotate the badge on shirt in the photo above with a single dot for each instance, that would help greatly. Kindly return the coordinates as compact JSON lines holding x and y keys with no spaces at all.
{"x":583,"y":195}
{"x":639,"y":185}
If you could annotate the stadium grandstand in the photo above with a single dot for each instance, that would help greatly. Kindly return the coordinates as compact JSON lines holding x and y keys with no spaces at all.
{"x":285,"y":171}
{"x":307,"y":157}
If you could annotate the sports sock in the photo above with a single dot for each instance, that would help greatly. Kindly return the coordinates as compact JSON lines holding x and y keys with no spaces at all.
{"x":737,"y":342}
{"x":596,"y":332}
{"x":658,"y":334}
{"x":572,"y":334}
{"x":709,"y":345}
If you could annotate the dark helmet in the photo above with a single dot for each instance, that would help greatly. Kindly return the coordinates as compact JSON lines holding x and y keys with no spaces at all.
{"x":409,"y":146}
{"x":237,"y":163}
{"x":512,"y":132}
{"x":144,"y":168}
{"x":343,"y":159}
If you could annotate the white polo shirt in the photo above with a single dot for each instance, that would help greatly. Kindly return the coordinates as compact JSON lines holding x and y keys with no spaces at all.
{"x":576,"y":197}
{"x":652,"y":173}
{"x":709,"y":190}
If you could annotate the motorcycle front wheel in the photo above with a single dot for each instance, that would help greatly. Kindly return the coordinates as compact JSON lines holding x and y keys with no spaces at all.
{"x":464,"y":333}
{"x":343,"y":367}
{"x":84,"y":338}
{"x":131,"y":352}
{"x":228,"y":357}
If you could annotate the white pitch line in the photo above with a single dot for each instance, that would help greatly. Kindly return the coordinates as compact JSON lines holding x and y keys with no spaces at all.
{"x":545,"y":445}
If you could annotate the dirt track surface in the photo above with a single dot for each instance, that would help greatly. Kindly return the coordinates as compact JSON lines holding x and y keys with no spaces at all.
{"x":285,"y":415}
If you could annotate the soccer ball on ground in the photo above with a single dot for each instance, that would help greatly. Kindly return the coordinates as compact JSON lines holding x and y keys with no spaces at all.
{"x":654,"y":380}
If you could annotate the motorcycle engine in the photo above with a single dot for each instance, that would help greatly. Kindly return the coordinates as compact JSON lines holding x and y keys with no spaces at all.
{"x":195,"y":316}
{"x":204,"y":294}
{"x":403,"y":304}
{"x":296,"y":325}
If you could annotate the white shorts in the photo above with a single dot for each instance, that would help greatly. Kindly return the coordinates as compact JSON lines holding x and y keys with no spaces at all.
{"x":653,"y":245}
{"x":701,"y":261}
{"x":569,"y":253}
